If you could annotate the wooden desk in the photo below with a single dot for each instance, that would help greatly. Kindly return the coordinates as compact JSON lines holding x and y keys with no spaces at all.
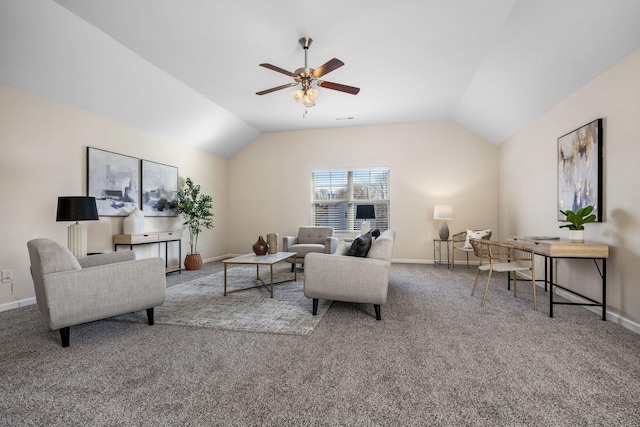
{"x":152,"y":237}
{"x":563,"y":248}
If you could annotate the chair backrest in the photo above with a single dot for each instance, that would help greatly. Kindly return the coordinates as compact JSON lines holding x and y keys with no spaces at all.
{"x":499,"y":251}
{"x":382,"y":247}
{"x":461,"y":237}
{"x":480,"y":248}
{"x":46,"y":257}
{"x":314,"y":234}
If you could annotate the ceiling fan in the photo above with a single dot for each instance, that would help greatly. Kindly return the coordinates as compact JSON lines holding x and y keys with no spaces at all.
{"x":308,"y":78}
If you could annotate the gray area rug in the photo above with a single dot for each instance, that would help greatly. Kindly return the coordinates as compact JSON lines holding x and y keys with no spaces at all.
{"x":201,"y":302}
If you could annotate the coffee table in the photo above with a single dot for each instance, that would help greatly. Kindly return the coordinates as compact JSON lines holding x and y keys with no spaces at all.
{"x":258,"y":260}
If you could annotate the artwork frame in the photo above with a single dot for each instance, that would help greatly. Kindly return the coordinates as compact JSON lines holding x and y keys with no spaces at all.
{"x":113,"y":179}
{"x":159,"y":196}
{"x":580,"y":169}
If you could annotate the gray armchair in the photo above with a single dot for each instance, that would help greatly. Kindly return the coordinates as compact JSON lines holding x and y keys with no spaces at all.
{"x":310,"y":239}
{"x":362,"y":280}
{"x":72,"y":291}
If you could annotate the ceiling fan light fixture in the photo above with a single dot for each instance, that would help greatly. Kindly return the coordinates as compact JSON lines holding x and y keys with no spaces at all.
{"x":313,"y":94}
{"x":307,"y":101}
{"x":308,"y":78}
{"x":297,"y":95}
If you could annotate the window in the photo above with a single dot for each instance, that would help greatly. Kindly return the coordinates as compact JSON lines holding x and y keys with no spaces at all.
{"x":335,"y":195}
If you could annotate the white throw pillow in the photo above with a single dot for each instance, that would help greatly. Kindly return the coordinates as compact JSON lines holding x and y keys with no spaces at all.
{"x":472,"y":234}
{"x":343,"y":248}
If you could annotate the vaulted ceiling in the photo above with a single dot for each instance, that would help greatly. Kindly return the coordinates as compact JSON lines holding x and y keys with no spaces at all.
{"x":188,"y":70}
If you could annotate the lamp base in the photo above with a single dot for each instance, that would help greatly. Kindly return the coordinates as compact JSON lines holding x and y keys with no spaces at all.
{"x":444,"y":231}
{"x":365,"y":227}
{"x":77,"y":239}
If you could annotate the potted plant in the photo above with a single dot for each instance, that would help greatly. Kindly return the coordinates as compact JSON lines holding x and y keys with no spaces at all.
{"x":577,"y":220}
{"x":196,"y":210}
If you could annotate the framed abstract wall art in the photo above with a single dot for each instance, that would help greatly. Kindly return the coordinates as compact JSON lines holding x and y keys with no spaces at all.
{"x":159,"y":189}
{"x":113,"y":179}
{"x":580,"y":169}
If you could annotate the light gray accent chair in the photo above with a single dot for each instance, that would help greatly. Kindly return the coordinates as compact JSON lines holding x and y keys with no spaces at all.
{"x":310,"y":239}
{"x":349,"y":278}
{"x":72,"y":291}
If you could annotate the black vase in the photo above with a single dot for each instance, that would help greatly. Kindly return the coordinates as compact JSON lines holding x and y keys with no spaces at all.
{"x":260,"y":247}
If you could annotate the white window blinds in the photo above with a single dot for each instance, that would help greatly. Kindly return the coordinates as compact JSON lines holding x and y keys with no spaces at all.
{"x":336,"y":195}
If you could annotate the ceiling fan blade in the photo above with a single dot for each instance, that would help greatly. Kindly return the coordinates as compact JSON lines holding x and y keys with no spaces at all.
{"x":328,"y":67}
{"x":278,"y":69}
{"x":273,"y":89}
{"x":337,"y":86}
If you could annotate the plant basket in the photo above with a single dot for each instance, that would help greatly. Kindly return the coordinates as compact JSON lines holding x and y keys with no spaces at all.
{"x":193,"y":262}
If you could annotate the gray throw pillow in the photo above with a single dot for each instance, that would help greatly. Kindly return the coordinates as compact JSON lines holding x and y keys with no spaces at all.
{"x":361,"y":245}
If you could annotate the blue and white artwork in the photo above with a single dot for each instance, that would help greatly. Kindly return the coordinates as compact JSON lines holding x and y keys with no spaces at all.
{"x":580,"y":169}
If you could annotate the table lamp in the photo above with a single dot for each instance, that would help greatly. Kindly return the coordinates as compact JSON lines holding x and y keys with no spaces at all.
{"x":365,"y":212}
{"x":72,"y":208}
{"x":443,"y":212}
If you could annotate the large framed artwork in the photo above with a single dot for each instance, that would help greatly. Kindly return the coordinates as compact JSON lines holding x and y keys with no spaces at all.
{"x":580,"y":169}
{"x":159,"y":189}
{"x":113,"y":179}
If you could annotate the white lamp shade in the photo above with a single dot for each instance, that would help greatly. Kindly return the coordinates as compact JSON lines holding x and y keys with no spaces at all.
{"x":443,"y":212}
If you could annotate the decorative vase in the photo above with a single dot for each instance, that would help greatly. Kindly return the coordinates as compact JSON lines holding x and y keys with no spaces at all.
{"x":193,"y":262}
{"x":260,"y":247}
{"x":134,"y":223}
{"x":272,"y":241}
{"x":576,"y":236}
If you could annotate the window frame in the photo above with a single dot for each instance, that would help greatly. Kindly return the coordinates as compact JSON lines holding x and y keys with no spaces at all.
{"x":345,"y":189}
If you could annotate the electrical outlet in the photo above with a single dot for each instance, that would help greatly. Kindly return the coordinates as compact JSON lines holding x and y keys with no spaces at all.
{"x":7,"y":276}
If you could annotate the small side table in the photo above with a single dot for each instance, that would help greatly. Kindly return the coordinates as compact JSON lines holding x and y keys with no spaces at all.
{"x":437,"y":252}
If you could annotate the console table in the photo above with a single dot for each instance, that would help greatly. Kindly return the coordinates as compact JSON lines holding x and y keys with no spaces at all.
{"x":158,"y":237}
{"x":563,"y":248}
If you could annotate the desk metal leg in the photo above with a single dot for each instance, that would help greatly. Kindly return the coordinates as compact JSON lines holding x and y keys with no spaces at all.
{"x":546,"y":276}
{"x":604,"y":289}
{"x":225,"y":280}
{"x":551,"y":288}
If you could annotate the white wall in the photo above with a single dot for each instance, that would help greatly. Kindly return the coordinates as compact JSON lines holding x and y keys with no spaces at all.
{"x":42,"y":156}
{"x":430,"y":163}
{"x":528,"y":183}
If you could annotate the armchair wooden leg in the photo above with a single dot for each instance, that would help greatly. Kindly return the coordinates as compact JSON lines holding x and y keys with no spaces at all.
{"x":376,"y":307}
{"x":467,"y":259}
{"x":486,"y":289}
{"x":475,"y":283}
{"x":533,"y":284}
{"x":64,"y":336}
{"x":315,"y":306}
{"x":150,"y":315}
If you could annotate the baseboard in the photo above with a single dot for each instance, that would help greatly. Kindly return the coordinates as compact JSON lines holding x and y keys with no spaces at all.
{"x":411,"y":261}
{"x":217,"y":258}
{"x":17,"y":304}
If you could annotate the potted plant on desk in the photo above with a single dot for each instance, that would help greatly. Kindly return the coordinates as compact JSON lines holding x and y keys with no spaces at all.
{"x":196,"y":210}
{"x":577,"y":220}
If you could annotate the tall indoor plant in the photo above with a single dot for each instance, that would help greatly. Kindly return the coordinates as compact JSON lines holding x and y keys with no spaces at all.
{"x":577,"y":220}
{"x":195,"y":207}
